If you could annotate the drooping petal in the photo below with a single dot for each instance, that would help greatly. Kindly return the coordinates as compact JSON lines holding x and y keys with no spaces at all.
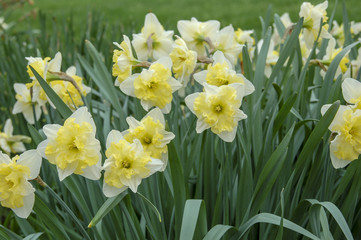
{"x":351,"y":89}
{"x":110,"y":191}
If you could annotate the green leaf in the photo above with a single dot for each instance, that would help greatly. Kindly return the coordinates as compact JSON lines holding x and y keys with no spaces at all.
{"x":154,"y":208}
{"x":61,"y":107}
{"x":35,"y":135}
{"x":194,"y":215}
{"x":109,"y":204}
{"x":276,"y":220}
{"x":49,"y":219}
{"x":337,"y":215}
{"x":33,"y":236}
{"x":218,"y":231}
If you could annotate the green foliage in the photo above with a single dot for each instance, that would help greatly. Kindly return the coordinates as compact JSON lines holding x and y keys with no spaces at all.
{"x":210,"y":189}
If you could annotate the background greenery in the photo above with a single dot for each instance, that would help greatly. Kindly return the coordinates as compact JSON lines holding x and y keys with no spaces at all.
{"x":130,"y":13}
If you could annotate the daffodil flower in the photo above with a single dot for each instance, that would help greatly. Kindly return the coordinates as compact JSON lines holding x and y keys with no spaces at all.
{"x":153,"y":86}
{"x":221,"y":73}
{"x":123,"y":61}
{"x":218,"y":108}
{"x":312,"y":18}
{"x":331,"y":53}
{"x":73,"y":147}
{"x":66,"y":90}
{"x":184,"y":62}
{"x":24,"y":104}
{"x":151,"y":133}
{"x":346,"y":145}
{"x":42,"y":67}
{"x":351,"y":91}
{"x":153,"y":42}
{"x":286,"y":21}
{"x":244,"y":37}
{"x":12,"y":143}
{"x":15,"y":190}
{"x":196,"y":34}
{"x":126,"y":164}
{"x":272,"y":56}
{"x":225,"y":42}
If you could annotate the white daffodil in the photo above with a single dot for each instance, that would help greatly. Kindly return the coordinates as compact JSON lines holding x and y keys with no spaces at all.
{"x":196,"y":34}
{"x":15,"y":190}
{"x":70,"y":95}
{"x":338,"y":33}
{"x":73,"y":147}
{"x":153,"y":86}
{"x":151,"y":133}
{"x":225,"y":42}
{"x":218,"y":108}
{"x":331,"y":53}
{"x":12,"y":143}
{"x":126,"y":165}
{"x":312,"y":19}
{"x":355,"y":28}
{"x":123,"y":60}
{"x":244,"y":37}
{"x":42,"y":67}
{"x":272,"y":56}
{"x":286,"y":21}
{"x":221,"y":72}
{"x":305,"y":51}
{"x":184,"y":62}
{"x":351,"y":91}
{"x":24,"y":104}
{"x":153,"y":42}
{"x":346,"y":145}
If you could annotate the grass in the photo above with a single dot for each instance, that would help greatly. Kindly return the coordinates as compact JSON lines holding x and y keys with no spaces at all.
{"x":128,"y":13}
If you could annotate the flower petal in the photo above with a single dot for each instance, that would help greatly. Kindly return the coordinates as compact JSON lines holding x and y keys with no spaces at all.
{"x":113,"y":136}
{"x":110,"y":191}
{"x":31,"y":159}
{"x":24,"y":211}
{"x":351,"y":89}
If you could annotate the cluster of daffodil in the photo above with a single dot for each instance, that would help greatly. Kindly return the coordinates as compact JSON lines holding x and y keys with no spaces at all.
{"x":31,"y":97}
{"x":160,"y":66}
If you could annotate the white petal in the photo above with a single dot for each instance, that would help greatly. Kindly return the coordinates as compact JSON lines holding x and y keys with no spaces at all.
{"x":210,"y":89}
{"x":51,"y":130}
{"x":228,"y":136}
{"x":165,"y":161}
{"x":67,"y":171}
{"x":219,"y":57}
{"x":127,"y":86}
{"x":21,"y":89}
{"x":114,"y":136}
{"x":71,"y":71}
{"x":93,"y":172}
{"x":338,"y":119}
{"x":167,"y":137}
{"x":174,"y":84}
{"x":8,"y":128}
{"x":165,"y":47}
{"x":155,"y":165}
{"x":83,"y":115}
{"x":110,"y":191}
{"x":25,"y":210}
{"x":132,"y":122}
{"x":55,"y":64}
{"x":132,"y":183}
{"x":165,"y":61}
{"x":146,"y":104}
{"x":156,"y":114}
{"x":200,"y":77}
{"x":201,"y":126}
{"x":31,"y":159}
{"x":337,"y":162}
{"x":189,"y":100}
{"x":41,"y":148}
{"x":351,"y":89}
{"x":240,"y":89}
{"x":4,"y":158}
{"x":167,"y":108}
